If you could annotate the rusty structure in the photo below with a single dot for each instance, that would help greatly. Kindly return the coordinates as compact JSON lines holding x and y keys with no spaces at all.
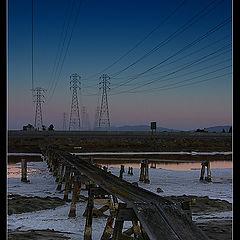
{"x":152,"y":216}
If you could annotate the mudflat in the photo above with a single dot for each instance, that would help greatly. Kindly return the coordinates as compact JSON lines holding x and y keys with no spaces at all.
{"x":220,"y":229}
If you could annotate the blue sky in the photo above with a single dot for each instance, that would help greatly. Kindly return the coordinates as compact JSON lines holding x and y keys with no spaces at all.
{"x":189,"y":87}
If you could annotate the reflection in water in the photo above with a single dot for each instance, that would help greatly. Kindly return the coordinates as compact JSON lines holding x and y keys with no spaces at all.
{"x":173,"y":165}
{"x":14,"y":170}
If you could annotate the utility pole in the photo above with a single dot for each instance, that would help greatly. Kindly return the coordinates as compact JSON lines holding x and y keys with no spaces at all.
{"x":104,"y":111}
{"x":74,"y":122}
{"x":38,"y":99}
{"x":64,"y":121}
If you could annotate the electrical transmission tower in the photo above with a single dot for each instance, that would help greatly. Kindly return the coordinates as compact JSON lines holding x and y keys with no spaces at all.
{"x":74,"y":122}
{"x":64,"y":121}
{"x":38,"y":99}
{"x":85,"y":119}
{"x":103,"y":121}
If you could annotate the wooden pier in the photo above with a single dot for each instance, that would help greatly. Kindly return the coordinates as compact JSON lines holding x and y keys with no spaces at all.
{"x":152,"y":216}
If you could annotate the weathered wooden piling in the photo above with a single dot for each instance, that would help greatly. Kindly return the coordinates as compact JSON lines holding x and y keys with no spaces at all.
{"x":68,"y":184}
{"x":61,"y":178}
{"x":117,"y":232}
{"x":208,"y":177}
{"x":24,"y":170}
{"x":141,"y":178}
{"x":130,"y":171}
{"x":72,"y":212}
{"x":59,"y":171}
{"x":121,"y":171}
{"x":202,"y":171}
{"x":89,"y":214}
{"x":146,"y":175}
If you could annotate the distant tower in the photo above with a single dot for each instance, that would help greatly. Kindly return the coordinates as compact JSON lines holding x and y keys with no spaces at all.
{"x":85,"y":119}
{"x":96,"y":120}
{"x":83,"y":114}
{"x":64,"y":121}
{"x":74,"y":122}
{"x":38,"y":99}
{"x":103,"y":121}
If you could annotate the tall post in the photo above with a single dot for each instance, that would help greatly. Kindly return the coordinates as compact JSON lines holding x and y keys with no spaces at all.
{"x":72,"y":212}
{"x":24,"y":170}
{"x":146,"y":178}
{"x":74,"y":122}
{"x":142,"y":172}
{"x":202,"y":171}
{"x":90,"y":205}
{"x":208,"y":178}
{"x":104,"y":120}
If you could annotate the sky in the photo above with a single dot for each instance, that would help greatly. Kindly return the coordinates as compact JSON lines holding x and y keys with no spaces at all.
{"x":168,"y":61}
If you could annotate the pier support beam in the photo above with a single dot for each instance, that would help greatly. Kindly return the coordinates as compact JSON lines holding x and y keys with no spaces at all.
{"x":121,"y":171}
{"x":72,"y":212}
{"x":141,"y":178}
{"x":89,"y":215}
{"x":24,"y":170}
{"x":206,"y":164}
{"x":146,"y":177}
{"x":144,"y":171}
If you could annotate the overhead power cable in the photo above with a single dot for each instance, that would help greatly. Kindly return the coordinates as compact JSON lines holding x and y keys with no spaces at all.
{"x":179,"y":31}
{"x":68,"y":44}
{"x":188,"y":84}
{"x":214,"y":29}
{"x":175,"y":83}
{"x":170,"y":63}
{"x":61,"y":43}
{"x":142,"y":40}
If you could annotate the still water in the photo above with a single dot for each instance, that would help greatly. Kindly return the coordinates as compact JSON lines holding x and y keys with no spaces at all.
{"x":14,"y":168}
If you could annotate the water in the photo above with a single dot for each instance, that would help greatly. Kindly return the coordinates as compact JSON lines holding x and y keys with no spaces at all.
{"x":173,"y":178}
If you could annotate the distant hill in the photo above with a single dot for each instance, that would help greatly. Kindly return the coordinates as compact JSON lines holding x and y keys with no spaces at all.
{"x":215,"y":128}
{"x":140,"y":128}
{"x":218,"y":128}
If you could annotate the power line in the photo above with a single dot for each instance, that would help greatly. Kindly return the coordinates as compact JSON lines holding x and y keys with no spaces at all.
{"x":205,"y":80}
{"x":62,"y":46}
{"x":176,"y":83}
{"x":61,"y":42}
{"x":142,"y":40}
{"x":180,"y":69}
{"x":68,"y":44}
{"x":32,"y":49}
{"x":217,"y":27}
{"x":188,"y":73}
{"x":180,"y":30}
{"x":177,"y":60}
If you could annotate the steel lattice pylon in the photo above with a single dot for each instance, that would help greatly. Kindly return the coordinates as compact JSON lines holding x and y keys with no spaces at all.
{"x":38,"y":99}
{"x":74,"y":122}
{"x":104,"y":120}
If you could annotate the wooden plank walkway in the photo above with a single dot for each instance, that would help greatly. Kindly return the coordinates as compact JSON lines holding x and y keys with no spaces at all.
{"x":161,"y":219}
